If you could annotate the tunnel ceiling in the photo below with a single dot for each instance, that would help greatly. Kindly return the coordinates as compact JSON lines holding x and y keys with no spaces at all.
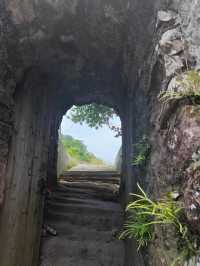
{"x":78,"y":44}
{"x":88,"y":50}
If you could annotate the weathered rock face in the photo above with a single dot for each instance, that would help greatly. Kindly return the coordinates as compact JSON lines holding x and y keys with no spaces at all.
{"x":175,"y":137}
{"x":54,"y":54}
{"x":172,"y":169}
{"x":189,"y":13}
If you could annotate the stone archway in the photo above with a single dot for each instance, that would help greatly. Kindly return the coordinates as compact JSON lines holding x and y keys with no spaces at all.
{"x":32,"y":158}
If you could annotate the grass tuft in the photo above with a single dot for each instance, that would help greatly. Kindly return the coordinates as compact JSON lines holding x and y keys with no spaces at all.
{"x":145,"y":214}
{"x":187,"y":86}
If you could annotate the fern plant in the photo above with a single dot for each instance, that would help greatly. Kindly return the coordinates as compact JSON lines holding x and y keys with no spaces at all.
{"x":145,"y":213}
{"x":142,"y":150}
{"x":187,"y":86}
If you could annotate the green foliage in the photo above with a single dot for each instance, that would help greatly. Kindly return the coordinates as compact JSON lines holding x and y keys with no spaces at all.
{"x":144,"y":214}
{"x":72,"y":163}
{"x":188,"y":248}
{"x":78,"y":151}
{"x":142,"y":150}
{"x":187,"y":86}
{"x":94,"y":115}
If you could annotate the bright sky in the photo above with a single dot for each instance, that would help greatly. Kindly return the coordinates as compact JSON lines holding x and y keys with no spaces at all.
{"x":101,"y":142}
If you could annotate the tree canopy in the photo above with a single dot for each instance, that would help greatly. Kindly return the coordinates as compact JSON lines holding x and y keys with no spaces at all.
{"x":95,"y":116}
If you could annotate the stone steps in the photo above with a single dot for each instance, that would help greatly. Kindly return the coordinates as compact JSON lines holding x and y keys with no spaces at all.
{"x":81,"y":200}
{"x":81,"y":208}
{"x":98,"y":192}
{"x":108,"y":177}
{"x":89,"y":231}
{"x":99,"y":252}
{"x":87,"y":216}
{"x":87,"y":174}
{"x":96,"y":218}
{"x":89,"y":185}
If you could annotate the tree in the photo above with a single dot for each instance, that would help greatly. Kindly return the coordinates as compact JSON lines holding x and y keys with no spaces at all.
{"x":95,"y":116}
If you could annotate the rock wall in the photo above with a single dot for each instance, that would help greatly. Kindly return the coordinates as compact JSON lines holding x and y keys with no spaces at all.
{"x":174,"y":128}
{"x":189,"y":15}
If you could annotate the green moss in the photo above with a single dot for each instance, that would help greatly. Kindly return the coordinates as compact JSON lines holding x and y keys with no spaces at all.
{"x":142,"y":151}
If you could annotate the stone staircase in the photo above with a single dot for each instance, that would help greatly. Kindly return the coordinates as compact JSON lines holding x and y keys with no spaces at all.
{"x":85,"y":211}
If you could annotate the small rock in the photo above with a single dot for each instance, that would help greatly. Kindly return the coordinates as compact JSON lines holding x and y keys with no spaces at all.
{"x":175,"y":195}
{"x":171,"y":35}
{"x":172,"y":64}
{"x":166,"y":16}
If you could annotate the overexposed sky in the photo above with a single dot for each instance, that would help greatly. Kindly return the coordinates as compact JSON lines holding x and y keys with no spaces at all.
{"x":101,"y":142}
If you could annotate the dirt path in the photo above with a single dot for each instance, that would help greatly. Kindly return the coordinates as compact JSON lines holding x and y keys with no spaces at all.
{"x":87,"y":216}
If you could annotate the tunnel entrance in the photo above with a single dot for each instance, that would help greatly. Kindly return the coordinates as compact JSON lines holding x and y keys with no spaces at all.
{"x":39,"y":109}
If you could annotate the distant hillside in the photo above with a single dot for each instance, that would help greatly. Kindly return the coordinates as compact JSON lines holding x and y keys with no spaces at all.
{"x":78,"y":152}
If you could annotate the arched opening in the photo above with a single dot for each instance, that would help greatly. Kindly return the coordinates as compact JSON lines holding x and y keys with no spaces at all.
{"x":39,"y":108}
{"x":89,"y":135}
